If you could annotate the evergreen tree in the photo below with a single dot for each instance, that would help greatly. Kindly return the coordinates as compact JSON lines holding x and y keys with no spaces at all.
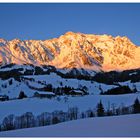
{"x":61,"y":84}
{"x":22,"y":95}
{"x":136,"y":106}
{"x":11,"y":82}
{"x":100,"y":109}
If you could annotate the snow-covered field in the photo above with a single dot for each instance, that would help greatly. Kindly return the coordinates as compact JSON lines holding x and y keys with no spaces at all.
{"x":116,"y":126}
{"x":37,"y":106}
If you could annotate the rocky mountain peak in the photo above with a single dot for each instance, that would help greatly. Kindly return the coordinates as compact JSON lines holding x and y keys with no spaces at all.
{"x":73,"y":50}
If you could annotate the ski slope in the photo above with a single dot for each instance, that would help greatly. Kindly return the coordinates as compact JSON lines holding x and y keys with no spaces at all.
{"x":116,"y":126}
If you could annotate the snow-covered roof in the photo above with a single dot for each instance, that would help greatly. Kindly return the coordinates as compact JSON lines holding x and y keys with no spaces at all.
{"x":49,"y":93}
{"x":2,"y":96}
{"x":76,"y":90}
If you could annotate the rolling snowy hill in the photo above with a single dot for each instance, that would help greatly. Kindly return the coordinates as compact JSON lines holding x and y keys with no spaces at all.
{"x":120,"y":126}
{"x":32,"y":79}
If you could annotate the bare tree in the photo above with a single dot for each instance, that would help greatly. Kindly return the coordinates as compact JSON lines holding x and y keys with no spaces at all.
{"x":8,"y":123}
{"x":44,"y":119}
{"x":73,"y":113}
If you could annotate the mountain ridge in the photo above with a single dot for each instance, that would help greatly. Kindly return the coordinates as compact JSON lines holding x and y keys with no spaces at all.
{"x":73,"y":50}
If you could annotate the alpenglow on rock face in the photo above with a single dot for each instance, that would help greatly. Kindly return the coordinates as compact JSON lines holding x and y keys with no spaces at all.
{"x":73,"y":50}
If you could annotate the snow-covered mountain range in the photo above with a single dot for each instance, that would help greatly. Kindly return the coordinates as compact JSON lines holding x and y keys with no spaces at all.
{"x":73,"y":50}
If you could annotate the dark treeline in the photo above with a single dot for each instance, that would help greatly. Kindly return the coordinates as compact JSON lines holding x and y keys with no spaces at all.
{"x":113,"y":76}
{"x":119,"y":90}
{"x":28,"y":119}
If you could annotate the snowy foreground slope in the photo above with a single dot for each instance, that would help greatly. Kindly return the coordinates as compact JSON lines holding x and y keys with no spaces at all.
{"x":116,"y":126}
